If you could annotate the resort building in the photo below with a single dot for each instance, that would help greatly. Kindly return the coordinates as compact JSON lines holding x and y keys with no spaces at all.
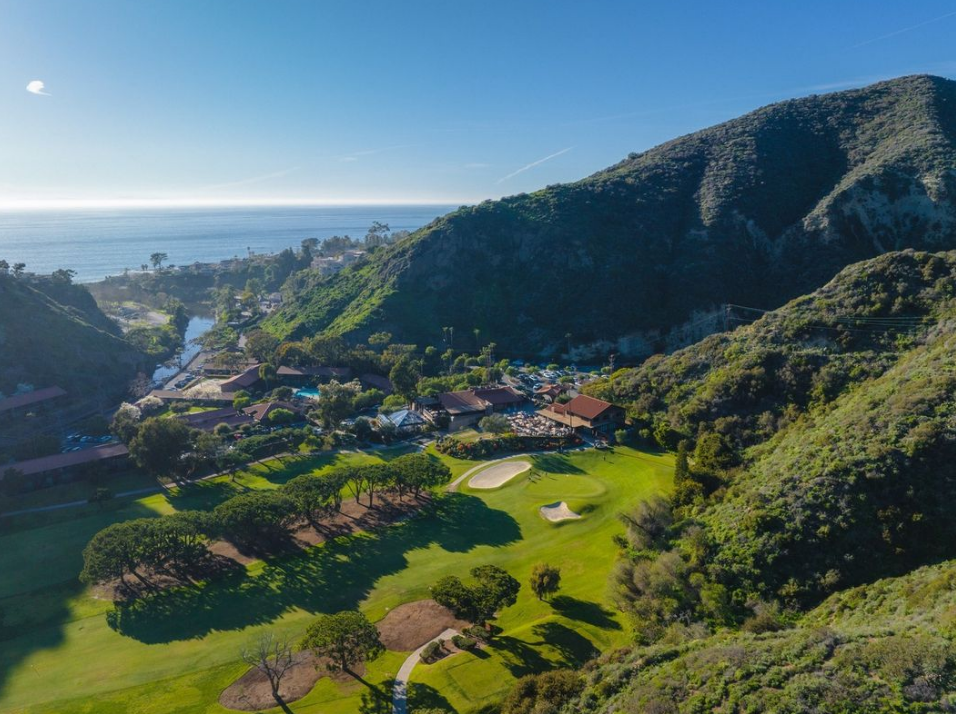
{"x":469,"y":406}
{"x":244,"y":380}
{"x":38,"y":399}
{"x":405,"y":420}
{"x":299,"y":376}
{"x":60,"y":468}
{"x":587,"y":413}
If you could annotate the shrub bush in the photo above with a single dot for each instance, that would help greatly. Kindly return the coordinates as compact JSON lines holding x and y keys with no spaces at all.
{"x":432,"y":651}
{"x":464,"y":643}
{"x":505,"y":443}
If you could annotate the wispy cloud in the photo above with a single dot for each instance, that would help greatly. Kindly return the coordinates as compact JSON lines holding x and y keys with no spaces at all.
{"x":533,"y":164}
{"x":37,"y":87}
{"x":253,"y":179}
{"x":902,"y":30}
{"x":477,"y":165}
{"x":356,"y":155}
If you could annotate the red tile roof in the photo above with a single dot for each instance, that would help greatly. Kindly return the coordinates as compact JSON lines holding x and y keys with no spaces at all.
{"x":550,"y":390}
{"x":583,"y":406}
{"x":18,"y":401}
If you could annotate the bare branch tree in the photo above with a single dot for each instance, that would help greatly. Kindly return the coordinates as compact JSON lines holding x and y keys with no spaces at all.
{"x":273,"y":657}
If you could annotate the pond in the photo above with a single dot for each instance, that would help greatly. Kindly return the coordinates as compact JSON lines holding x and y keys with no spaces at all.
{"x":198,"y":326}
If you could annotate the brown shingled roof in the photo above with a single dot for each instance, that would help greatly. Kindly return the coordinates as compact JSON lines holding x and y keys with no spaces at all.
{"x":468,"y":401}
{"x":264,"y":409}
{"x":243,"y":379}
{"x":73,"y":458}
{"x":464,"y":402}
{"x":209,"y":420}
{"x":377,"y":382}
{"x":28,"y":398}
{"x":340,"y":372}
{"x":499,"y":395}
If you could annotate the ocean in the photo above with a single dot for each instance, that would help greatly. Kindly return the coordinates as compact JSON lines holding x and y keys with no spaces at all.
{"x":98,"y":242}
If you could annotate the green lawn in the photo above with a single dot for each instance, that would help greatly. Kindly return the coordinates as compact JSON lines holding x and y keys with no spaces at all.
{"x":176,"y":652}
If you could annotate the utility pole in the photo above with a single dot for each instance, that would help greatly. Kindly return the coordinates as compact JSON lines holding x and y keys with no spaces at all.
{"x":611,"y":359}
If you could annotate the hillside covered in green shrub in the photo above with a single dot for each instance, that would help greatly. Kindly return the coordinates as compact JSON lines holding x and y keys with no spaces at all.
{"x":53,"y":333}
{"x":804,"y":562}
{"x":754,"y":212}
{"x":884,"y":647}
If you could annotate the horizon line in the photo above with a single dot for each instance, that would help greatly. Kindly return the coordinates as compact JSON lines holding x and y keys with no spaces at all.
{"x":40,"y":204}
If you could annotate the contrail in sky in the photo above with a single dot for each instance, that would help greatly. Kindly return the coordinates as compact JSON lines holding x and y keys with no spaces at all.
{"x":533,"y":164}
{"x":905,"y":29}
{"x":254,"y":179}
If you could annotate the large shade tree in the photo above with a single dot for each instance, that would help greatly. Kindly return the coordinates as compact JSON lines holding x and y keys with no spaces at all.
{"x":345,"y":638}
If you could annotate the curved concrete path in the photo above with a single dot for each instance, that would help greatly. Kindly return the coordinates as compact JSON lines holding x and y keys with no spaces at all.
{"x":400,"y":689}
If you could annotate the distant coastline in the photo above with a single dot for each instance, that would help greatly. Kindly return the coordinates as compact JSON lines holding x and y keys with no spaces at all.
{"x":101,"y":242}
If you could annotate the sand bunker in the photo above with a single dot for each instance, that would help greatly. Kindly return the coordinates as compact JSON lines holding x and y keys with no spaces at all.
{"x":499,"y":474}
{"x":558,"y":512}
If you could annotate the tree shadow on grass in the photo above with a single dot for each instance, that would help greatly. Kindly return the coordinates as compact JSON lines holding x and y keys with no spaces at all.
{"x":555,"y":464}
{"x":585,"y":611}
{"x":36,"y":617}
{"x":203,"y":495}
{"x":522,"y":658}
{"x":291,"y":466}
{"x":376,"y":699}
{"x":519,"y":657}
{"x":422,"y":696}
{"x":337,"y":575}
{"x":574,"y":648}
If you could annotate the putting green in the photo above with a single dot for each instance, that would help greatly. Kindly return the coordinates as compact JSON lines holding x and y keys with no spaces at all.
{"x":61,"y":654}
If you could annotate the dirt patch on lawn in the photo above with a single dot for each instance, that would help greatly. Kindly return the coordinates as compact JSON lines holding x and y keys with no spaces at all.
{"x":409,"y":626}
{"x":224,"y":555}
{"x":131,"y":587}
{"x":355,"y":517}
{"x":251,"y":692}
{"x":404,"y":629}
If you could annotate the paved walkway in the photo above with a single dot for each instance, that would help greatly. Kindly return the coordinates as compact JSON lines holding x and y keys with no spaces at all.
{"x":400,"y":690}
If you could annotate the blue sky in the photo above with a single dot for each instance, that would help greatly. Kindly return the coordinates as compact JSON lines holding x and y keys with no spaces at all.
{"x":442,"y":101}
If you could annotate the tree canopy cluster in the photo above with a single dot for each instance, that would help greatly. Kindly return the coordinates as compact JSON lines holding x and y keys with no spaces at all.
{"x":492,"y":590}
{"x":177,"y":543}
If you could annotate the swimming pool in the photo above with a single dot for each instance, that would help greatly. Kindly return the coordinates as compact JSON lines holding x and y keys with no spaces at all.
{"x":309,"y":393}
